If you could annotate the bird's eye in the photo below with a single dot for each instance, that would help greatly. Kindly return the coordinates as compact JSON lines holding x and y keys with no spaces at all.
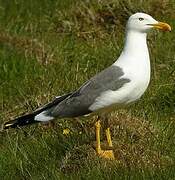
{"x":141,"y":19}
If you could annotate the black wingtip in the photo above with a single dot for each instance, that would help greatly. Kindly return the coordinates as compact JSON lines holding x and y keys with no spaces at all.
{"x":21,"y":121}
{"x":10,"y":124}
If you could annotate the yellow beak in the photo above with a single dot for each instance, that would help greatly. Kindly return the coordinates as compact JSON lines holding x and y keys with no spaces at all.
{"x":162,"y":26}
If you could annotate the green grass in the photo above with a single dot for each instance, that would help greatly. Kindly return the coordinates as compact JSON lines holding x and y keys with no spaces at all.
{"x":51,"y":47}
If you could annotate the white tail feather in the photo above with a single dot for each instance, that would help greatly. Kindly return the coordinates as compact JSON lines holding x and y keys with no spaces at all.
{"x":43,"y":117}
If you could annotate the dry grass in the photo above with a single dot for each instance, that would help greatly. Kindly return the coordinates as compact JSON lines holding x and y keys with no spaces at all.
{"x":54,"y":50}
{"x":133,"y":143}
{"x":31,"y":48}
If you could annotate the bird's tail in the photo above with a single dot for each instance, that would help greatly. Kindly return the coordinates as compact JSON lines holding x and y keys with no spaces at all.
{"x":39,"y":115}
{"x":21,"y":121}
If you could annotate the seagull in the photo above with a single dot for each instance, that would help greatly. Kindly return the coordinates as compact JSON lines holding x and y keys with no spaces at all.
{"x":122,"y":83}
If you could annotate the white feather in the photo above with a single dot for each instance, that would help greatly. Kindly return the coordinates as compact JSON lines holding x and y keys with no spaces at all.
{"x":43,"y":117}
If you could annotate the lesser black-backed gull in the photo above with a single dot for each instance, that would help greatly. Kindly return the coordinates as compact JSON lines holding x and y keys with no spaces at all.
{"x":123,"y":82}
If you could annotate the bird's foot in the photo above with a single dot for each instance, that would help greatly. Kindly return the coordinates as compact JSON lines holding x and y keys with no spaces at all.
{"x":107,"y":154}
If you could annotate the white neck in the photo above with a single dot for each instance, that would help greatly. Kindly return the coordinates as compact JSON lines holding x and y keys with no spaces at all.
{"x":135,"y":48}
{"x":135,"y":42}
{"x":135,"y":63}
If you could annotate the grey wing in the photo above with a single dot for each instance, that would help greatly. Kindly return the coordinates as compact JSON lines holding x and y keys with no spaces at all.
{"x":78,"y":103}
{"x":52,"y":104}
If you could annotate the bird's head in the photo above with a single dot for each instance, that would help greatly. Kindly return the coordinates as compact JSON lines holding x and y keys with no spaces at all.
{"x":142,"y":22}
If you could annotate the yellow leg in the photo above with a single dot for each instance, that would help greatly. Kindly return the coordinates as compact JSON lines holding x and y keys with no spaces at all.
{"x":108,"y":136}
{"x":103,"y":153}
{"x":98,"y":126}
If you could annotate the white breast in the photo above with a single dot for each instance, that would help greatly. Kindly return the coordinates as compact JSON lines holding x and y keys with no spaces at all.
{"x":139,"y":74}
